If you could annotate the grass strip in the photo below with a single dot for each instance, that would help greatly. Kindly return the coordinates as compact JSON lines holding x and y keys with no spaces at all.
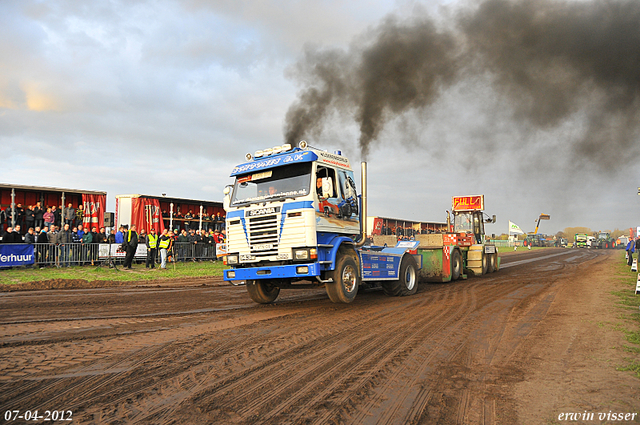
{"x":629,"y":303}
{"x":97,"y":273}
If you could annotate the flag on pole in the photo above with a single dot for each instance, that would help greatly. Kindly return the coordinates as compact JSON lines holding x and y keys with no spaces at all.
{"x":514,"y":228}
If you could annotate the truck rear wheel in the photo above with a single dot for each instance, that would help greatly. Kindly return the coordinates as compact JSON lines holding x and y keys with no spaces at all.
{"x":456,"y":265}
{"x":346,"y":280}
{"x":407,"y":284}
{"x":492,"y":260}
{"x":262,"y":291}
{"x":485,"y":263}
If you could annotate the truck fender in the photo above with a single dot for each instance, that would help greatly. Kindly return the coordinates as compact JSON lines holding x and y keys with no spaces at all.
{"x":337,"y":242}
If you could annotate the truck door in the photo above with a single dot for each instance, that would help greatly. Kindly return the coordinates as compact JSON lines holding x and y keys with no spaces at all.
{"x":327,"y":205}
{"x":478,"y":226}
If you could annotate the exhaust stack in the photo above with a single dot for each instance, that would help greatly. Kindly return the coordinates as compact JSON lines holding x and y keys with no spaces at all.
{"x":363,"y":212}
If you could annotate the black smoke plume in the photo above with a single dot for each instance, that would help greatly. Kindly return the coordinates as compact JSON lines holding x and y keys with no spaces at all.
{"x":549,"y":59}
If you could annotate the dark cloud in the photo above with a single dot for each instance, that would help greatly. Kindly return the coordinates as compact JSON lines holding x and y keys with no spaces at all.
{"x":549,"y":60}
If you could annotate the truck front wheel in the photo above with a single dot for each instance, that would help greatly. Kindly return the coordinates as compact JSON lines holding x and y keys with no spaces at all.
{"x":262,"y":291}
{"x":346,"y":280}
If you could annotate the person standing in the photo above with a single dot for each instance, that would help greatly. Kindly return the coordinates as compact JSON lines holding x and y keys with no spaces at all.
{"x":69,"y":215}
{"x":94,"y":245}
{"x":87,"y":239}
{"x":111,"y":239}
{"x":30,"y":236}
{"x":42,"y":249}
{"x":80,"y":231}
{"x":65,"y":239}
{"x":120,"y":235}
{"x":183,"y":242}
{"x":56,"y":215}
{"x":19,"y":215}
{"x":30,"y":217}
{"x":49,"y":218}
{"x":142,"y":236}
{"x":38,"y":211}
{"x":152,"y":249}
{"x":52,"y":253}
{"x":631,"y":247}
{"x":76,"y":247}
{"x":165,"y":245}
{"x":79,"y":215}
{"x":206,"y":244}
{"x":132,"y":246}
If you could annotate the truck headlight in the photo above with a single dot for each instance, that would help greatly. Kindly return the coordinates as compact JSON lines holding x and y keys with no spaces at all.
{"x":305,"y":254}
{"x":231,"y":274}
{"x":301,"y":254}
{"x":232,"y":259}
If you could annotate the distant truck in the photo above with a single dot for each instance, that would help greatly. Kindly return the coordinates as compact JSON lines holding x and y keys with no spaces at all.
{"x":538,"y":240}
{"x":604,"y":241}
{"x":581,"y":240}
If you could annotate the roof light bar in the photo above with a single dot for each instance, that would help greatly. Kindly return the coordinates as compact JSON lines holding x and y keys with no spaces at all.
{"x":271,"y":151}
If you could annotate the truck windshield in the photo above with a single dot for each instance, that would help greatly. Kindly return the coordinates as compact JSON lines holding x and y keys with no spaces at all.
{"x":463,"y":223}
{"x":289,"y":181}
{"x":581,"y":237}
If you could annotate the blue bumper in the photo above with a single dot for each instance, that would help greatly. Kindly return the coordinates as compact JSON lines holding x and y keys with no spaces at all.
{"x":288,"y":271}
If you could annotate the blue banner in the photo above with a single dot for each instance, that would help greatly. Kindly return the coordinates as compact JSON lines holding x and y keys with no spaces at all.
{"x":16,"y":254}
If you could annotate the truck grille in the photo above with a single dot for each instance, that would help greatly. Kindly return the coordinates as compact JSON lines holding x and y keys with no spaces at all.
{"x":263,"y":235}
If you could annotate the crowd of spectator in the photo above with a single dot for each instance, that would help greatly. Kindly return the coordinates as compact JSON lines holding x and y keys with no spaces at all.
{"x":184,"y":246}
{"x":64,"y":245}
{"x":210,"y":222}
{"x":60,"y":237}
{"x":77,"y":245}
{"x":38,"y":217}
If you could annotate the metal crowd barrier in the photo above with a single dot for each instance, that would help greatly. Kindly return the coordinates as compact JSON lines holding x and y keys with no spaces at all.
{"x":189,"y":251}
{"x":71,"y":254}
{"x":75,"y":254}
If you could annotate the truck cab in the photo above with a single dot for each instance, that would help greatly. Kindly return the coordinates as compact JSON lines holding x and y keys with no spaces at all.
{"x":294,"y":219}
{"x":470,"y":222}
{"x":581,"y":240}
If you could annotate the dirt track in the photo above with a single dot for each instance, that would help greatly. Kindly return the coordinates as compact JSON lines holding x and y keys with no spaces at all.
{"x":519,"y":346}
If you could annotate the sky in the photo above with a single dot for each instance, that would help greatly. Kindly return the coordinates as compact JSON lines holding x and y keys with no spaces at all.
{"x":157,"y":97}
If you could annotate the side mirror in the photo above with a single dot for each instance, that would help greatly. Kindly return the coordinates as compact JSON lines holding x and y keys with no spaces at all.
{"x":493,"y":219}
{"x":226,"y":201}
{"x":327,"y":187}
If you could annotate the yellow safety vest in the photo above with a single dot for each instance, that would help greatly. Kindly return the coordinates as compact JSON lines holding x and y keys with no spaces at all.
{"x":153,"y":240}
{"x":164,"y":243}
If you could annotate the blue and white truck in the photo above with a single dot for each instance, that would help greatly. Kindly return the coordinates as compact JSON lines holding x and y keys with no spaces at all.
{"x":295,"y":219}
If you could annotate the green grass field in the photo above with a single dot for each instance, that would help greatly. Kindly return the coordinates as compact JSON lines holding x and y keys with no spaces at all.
{"x":629,"y":304}
{"x":91,"y":273}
